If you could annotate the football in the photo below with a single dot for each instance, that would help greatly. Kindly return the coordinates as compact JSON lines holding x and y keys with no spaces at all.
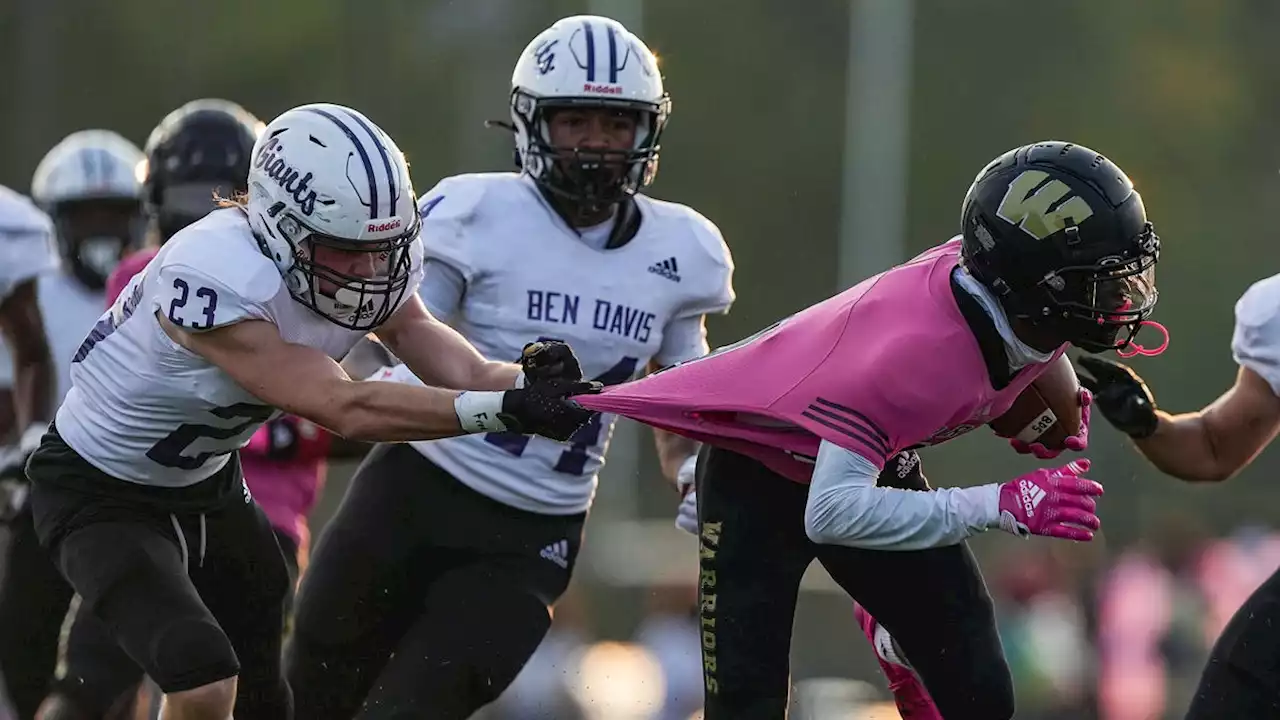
{"x":1048,"y":411}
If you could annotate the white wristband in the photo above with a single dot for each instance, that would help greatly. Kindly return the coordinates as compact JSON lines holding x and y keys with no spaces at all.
{"x":478,"y":411}
{"x":520,"y":380}
{"x":687,"y":474}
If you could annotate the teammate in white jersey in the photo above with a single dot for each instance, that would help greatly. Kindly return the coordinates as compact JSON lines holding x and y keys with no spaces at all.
{"x":1242,"y":678}
{"x":88,"y":183}
{"x":26,"y":405}
{"x":426,"y":598}
{"x":136,"y":488}
{"x":26,"y":252}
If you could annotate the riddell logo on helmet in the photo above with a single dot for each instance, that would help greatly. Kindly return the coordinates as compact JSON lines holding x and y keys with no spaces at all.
{"x":602,"y":89}
{"x":373,"y":226}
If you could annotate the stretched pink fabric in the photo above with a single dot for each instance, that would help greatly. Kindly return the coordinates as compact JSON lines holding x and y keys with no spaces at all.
{"x":885,"y":365}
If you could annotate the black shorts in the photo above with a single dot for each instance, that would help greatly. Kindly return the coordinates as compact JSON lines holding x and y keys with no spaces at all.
{"x":754,"y":552}
{"x":99,"y":675}
{"x":1242,"y":677}
{"x":189,"y":581}
{"x":415,"y":564}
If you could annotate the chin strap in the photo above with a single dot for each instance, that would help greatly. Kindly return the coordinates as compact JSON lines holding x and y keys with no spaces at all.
{"x":1132,"y":348}
{"x":1136,"y":349}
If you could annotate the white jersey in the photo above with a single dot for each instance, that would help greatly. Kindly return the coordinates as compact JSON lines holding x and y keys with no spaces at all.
{"x":69,"y":310}
{"x":26,"y":242}
{"x":1255,"y":344}
{"x":528,"y":275}
{"x":143,"y":408}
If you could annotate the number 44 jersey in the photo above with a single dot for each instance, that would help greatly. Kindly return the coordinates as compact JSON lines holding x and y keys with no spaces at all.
{"x":146,"y":410}
{"x":522,"y":274}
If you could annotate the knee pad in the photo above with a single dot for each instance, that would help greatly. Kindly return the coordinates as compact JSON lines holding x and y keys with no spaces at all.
{"x":188,"y":653}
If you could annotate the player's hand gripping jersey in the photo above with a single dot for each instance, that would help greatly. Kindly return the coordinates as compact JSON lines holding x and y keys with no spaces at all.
{"x":524,"y":274}
{"x":886,"y":365}
{"x":145,"y":409}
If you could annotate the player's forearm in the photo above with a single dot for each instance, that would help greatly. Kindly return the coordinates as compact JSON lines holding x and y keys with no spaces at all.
{"x":846,"y":507}
{"x":33,"y":379}
{"x":375,"y":411}
{"x":876,"y":518}
{"x":1184,"y":446}
{"x":441,"y":357}
{"x":673,"y":451}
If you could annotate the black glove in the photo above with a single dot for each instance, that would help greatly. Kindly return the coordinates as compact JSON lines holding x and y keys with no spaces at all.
{"x":1122,"y":397}
{"x":544,"y":408}
{"x":549,"y":360}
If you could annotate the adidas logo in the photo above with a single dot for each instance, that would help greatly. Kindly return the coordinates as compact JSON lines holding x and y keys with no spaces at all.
{"x":558,"y":553}
{"x":1032,"y":494}
{"x":668,"y":269}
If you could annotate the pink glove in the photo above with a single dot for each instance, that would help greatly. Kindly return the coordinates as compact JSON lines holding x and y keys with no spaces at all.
{"x":1076,"y":442}
{"x":1056,"y":502}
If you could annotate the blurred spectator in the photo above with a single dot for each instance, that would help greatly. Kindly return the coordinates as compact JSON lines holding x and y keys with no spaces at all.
{"x":1042,"y":625}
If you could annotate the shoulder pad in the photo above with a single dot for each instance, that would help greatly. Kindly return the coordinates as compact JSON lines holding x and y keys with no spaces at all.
{"x":459,"y":197}
{"x":1255,"y":344}
{"x":710,"y":269}
{"x":26,"y":241}
{"x":19,"y":215}
{"x":211,"y":274}
{"x":453,"y":204}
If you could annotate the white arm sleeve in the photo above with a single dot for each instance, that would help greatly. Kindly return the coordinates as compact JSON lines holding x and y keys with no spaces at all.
{"x":846,"y":508}
{"x":442,"y":288}
{"x":683,"y":339}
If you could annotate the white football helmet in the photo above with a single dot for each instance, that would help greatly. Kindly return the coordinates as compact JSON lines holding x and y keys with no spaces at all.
{"x":91,"y":184}
{"x":326,"y":181}
{"x":587,"y":61}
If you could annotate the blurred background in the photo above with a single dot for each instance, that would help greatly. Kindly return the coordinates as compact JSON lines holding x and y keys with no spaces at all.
{"x":828,"y":139}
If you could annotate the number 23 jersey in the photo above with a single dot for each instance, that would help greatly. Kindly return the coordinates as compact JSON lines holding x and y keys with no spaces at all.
{"x":144,"y":409}
{"x":527,"y":275}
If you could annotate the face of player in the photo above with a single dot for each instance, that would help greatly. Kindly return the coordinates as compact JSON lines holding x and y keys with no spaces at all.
{"x":598,"y":130}
{"x":94,"y":234}
{"x":341,"y":262}
{"x":593,"y":141}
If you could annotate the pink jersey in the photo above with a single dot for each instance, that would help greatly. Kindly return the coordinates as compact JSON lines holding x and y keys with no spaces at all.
{"x":886,"y":365}
{"x":129,"y":266}
{"x":286,"y":490}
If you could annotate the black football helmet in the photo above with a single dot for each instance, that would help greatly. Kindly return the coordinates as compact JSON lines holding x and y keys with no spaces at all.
{"x":201,"y":149}
{"x":1059,"y":234}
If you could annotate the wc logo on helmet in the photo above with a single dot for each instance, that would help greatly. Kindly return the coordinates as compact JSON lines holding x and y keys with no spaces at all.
{"x":545,"y":56}
{"x":1038,"y":208}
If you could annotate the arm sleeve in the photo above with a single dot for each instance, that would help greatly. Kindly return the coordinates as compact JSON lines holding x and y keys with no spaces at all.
{"x":683,"y":339}
{"x":847,"y":508}
{"x":442,"y":288}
